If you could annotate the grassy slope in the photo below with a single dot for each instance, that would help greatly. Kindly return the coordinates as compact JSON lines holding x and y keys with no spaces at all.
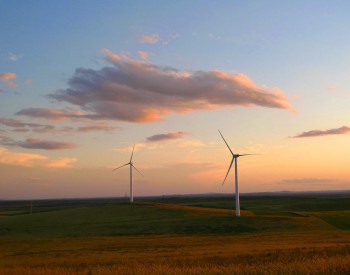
{"x":104,"y":238}
{"x":140,"y":219}
{"x":95,"y":218}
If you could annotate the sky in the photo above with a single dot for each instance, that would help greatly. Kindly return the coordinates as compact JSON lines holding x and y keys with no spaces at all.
{"x":81,"y":82}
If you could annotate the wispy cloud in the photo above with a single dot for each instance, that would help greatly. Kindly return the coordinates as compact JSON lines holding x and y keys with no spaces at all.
{"x":214,"y":36}
{"x":332,"y":89}
{"x":28,"y":82}
{"x":52,"y":114}
{"x":315,"y":133}
{"x":16,"y":123}
{"x":20,"y":126}
{"x":111,"y":56}
{"x":149,"y":38}
{"x":33,"y":143}
{"x":155,"y":38}
{"x":31,"y":160}
{"x":143,"y":55}
{"x":8,"y":79}
{"x":61,"y":163}
{"x":139,"y":91}
{"x":98,"y":127}
{"x":165,"y":137}
{"x":308,"y":180}
{"x":14,"y":57}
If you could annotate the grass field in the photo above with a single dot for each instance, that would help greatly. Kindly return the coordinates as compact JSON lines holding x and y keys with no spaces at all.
{"x":307,"y":234}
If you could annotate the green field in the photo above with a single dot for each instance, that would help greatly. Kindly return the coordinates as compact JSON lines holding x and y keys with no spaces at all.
{"x":277,"y":234}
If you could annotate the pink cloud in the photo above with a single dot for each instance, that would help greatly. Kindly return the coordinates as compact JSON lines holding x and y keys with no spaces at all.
{"x":143,"y":55}
{"x":139,"y":91}
{"x":314,"y":133}
{"x":111,"y":56}
{"x":8,"y":78}
{"x":164,"y":137}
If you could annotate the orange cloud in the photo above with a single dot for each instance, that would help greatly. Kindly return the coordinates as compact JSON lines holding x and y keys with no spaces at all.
{"x":33,"y":160}
{"x":61,"y":163}
{"x":8,"y":78}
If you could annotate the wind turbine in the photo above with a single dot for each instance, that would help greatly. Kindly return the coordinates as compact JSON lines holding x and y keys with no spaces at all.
{"x":131,"y":166}
{"x":234,"y":160}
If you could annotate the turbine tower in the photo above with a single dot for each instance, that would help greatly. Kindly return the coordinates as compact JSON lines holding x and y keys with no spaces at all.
{"x":131,"y":166}
{"x":234,"y":160}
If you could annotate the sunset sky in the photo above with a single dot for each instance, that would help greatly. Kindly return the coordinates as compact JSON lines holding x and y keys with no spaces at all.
{"x":82,"y":81}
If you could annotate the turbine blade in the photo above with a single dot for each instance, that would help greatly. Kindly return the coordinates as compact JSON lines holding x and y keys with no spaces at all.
{"x":228,"y":171}
{"x":120,"y":166}
{"x":136,"y":169}
{"x":132,"y":153}
{"x":249,"y":155}
{"x":226,"y":142}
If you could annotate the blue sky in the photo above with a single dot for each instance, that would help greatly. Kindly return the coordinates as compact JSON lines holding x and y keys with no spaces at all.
{"x":297,"y":47}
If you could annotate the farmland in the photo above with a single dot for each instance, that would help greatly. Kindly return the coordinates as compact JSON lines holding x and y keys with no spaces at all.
{"x":175,"y":235}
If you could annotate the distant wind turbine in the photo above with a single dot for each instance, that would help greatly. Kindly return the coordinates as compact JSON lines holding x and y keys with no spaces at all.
{"x":234,"y":160}
{"x":131,"y":166}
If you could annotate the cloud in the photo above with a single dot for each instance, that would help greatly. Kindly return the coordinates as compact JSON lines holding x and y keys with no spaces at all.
{"x":111,"y":56}
{"x":28,"y":82}
{"x":332,"y":89}
{"x":214,"y":36}
{"x":97,"y":127}
{"x":25,"y":127}
{"x":31,"y":160}
{"x":143,"y":55}
{"x":139,"y":91}
{"x":308,"y":180}
{"x":14,"y":57}
{"x":33,"y":143}
{"x":8,"y":78}
{"x":18,"y":123}
{"x":314,"y":133}
{"x":52,"y":114}
{"x":164,"y":137}
{"x":155,"y":38}
{"x":61,"y":163}
{"x":44,"y":128}
{"x":149,"y":38}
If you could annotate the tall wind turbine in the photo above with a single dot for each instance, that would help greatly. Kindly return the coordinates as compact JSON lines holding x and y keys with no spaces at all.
{"x":234,"y":160}
{"x":131,"y":166}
